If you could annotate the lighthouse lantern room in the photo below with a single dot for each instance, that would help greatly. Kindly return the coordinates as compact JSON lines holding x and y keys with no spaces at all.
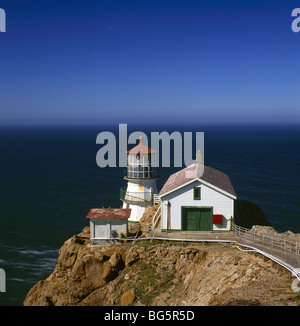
{"x":141,"y":180}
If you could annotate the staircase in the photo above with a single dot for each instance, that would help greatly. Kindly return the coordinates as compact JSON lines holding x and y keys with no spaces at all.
{"x":156,"y":199}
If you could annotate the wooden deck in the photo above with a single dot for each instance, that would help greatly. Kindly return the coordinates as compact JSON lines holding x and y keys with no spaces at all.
{"x":226,"y":236}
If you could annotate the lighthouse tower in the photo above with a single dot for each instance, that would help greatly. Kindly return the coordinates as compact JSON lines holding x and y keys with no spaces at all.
{"x":141,"y":180}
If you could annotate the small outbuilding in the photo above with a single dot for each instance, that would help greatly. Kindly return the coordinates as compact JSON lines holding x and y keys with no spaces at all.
{"x":193,"y":201}
{"x":107,"y":224}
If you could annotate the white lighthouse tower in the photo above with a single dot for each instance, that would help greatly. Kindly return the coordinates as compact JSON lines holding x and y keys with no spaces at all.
{"x":141,"y":180}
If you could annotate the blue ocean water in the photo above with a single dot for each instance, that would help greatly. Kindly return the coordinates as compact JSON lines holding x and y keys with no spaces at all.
{"x":50,"y":180}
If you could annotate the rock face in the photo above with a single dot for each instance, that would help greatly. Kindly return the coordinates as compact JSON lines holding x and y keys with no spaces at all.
{"x":247,"y":214}
{"x":145,"y":221}
{"x":270,"y":231}
{"x":150,"y":272}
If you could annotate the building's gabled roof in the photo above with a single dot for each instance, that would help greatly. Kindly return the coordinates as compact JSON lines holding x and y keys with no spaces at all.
{"x":109,"y":213}
{"x":210,"y":175}
{"x":141,"y":148}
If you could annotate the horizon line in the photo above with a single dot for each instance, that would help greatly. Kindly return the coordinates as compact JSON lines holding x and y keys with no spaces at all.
{"x":156,"y":124}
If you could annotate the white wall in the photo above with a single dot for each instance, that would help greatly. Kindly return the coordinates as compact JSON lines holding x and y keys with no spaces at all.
{"x":137,"y":210}
{"x":140,"y":189}
{"x":100,"y":227}
{"x":221,"y":204}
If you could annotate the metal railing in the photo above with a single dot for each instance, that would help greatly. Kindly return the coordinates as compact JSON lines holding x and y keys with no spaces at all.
{"x":273,"y":244}
{"x":136,"y":196}
{"x":156,"y":199}
{"x":283,"y":251}
{"x":193,"y":236}
{"x":156,"y":217}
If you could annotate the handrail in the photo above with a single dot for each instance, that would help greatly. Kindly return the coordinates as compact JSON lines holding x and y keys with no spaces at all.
{"x":136,"y":196}
{"x":293,"y":269}
{"x":155,"y":217}
{"x":156,"y":199}
{"x":275,"y":245}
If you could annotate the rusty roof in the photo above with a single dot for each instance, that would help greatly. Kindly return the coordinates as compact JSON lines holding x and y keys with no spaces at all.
{"x":210,"y":175}
{"x":141,"y":148}
{"x":109,"y":213}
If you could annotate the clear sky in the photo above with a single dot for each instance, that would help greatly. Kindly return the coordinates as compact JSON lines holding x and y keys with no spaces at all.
{"x":93,"y":62}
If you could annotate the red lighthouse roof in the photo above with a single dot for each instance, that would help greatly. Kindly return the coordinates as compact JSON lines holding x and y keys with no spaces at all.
{"x":141,"y":148}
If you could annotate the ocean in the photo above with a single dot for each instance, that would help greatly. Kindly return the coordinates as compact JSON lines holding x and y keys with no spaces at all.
{"x":50,"y":180}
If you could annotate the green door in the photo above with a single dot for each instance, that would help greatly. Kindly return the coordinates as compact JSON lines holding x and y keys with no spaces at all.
{"x":197,"y":218}
{"x":192,"y":217}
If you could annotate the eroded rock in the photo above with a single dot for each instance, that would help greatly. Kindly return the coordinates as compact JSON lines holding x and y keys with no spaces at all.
{"x":158,"y":273}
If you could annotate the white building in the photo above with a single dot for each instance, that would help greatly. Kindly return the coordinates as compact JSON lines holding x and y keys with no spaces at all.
{"x":107,"y":223}
{"x":141,"y":180}
{"x":193,"y":203}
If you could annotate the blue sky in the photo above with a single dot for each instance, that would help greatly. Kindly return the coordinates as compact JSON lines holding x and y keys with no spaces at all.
{"x":94,"y":62}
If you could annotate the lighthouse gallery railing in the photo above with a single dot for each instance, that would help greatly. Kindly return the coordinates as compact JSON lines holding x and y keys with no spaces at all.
{"x":136,"y":196}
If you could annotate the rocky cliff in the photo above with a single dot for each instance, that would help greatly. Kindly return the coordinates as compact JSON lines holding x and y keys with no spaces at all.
{"x":248,"y":214}
{"x":148,"y":272}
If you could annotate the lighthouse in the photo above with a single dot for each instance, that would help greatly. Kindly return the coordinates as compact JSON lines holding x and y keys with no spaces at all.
{"x":141,"y":180}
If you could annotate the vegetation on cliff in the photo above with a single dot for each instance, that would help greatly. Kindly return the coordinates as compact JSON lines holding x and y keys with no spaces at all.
{"x":149,"y":272}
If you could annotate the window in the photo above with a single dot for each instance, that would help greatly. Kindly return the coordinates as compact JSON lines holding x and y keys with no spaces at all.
{"x":197,"y":193}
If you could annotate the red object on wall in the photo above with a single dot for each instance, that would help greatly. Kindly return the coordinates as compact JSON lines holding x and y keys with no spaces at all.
{"x":217,"y":218}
